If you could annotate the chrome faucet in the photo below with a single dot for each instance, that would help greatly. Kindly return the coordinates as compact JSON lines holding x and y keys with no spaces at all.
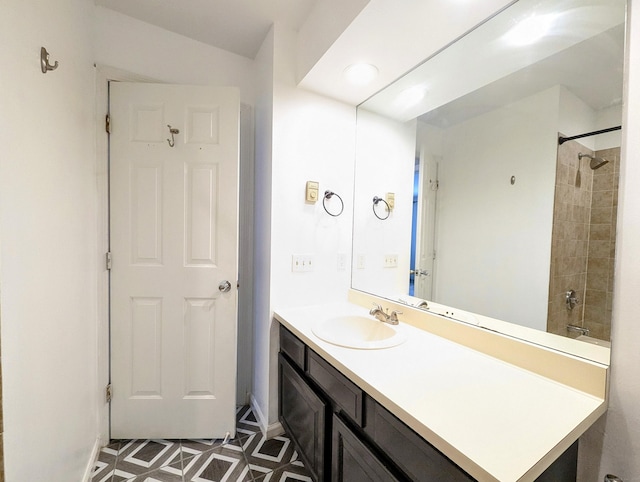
{"x":379,"y":314}
{"x":578,"y":329}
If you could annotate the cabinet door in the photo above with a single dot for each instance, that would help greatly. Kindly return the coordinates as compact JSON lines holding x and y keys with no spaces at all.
{"x":351,"y":459}
{"x":413,"y":454}
{"x":344,"y":394}
{"x":292,"y":346}
{"x":304,"y":416}
{"x":564,"y":469}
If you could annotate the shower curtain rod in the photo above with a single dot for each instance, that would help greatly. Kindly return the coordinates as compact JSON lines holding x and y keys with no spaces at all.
{"x":562,"y":140}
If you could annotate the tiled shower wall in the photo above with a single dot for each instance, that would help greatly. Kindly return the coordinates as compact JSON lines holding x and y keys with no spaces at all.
{"x":570,"y":236}
{"x":602,"y":242}
{"x":583,"y":241}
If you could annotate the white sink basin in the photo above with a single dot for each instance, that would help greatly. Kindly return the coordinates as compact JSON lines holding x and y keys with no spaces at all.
{"x":358,"y":332}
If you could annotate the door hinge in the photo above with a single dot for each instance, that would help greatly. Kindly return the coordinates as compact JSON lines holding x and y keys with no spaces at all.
{"x":108,"y":393}
{"x":108,"y":260}
{"x":107,"y":123}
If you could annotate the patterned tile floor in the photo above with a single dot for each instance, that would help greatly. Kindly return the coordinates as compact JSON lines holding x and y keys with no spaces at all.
{"x":248,"y":457}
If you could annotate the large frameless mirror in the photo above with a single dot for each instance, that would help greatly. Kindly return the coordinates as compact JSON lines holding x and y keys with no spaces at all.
{"x":494,"y":195}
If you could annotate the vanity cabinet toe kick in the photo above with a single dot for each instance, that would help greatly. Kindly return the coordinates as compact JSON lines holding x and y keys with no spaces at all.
{"x":344,"y":435}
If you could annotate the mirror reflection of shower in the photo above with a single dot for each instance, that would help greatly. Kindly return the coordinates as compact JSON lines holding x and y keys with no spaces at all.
{"x":596,"y":162}
{"x":583,"y":241}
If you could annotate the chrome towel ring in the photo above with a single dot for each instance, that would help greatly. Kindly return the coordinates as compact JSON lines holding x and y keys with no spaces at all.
{"x":329,"y":195}
{"x":376,"y":200}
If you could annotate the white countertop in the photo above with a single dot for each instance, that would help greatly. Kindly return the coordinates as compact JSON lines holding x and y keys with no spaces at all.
{"x":493,"y":419}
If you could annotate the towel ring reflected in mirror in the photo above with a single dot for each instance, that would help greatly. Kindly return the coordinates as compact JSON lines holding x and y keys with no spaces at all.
{"x":376,"y":200}
{"x":329,"y":195}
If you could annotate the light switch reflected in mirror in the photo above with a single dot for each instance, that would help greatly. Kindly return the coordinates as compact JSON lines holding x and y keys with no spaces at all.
{"x":491,"y":112}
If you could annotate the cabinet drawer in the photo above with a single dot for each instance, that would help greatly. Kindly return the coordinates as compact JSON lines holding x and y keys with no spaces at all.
{"x":343,"y":392}
{"x":352,"y":460}
{"x":304,"y":416}
{"x":415,"y":456}
{"x":292,"y":346}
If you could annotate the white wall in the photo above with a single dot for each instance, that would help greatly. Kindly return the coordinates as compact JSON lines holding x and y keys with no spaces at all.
{"x":262,"y":226}
{"x":313,"y":139}
{"x":493,"y":240}
{"x":134,"y":46}
{"x":613,"y":444}
{"x":605,"y":118}
{"x":326,"y":21}
{"x":48,"y":225}
{"x":576,"y":117}
{"x":385,"y":163}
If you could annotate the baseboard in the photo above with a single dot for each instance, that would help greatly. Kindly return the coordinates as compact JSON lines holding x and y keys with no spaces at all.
{"x":274,"y":430}
{"x":267,"y":430}
{"x":260,"y":418}
{"x":92,"y":460}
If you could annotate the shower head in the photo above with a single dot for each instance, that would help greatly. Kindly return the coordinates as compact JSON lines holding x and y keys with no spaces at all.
{"x":595,"y":163}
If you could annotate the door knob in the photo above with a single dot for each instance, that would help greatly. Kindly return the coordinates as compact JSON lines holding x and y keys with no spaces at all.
{"x":224,"y":286}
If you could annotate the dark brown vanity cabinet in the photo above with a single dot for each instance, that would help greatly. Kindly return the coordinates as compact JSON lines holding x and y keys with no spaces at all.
{"x":352,"y":460}
{"x":414,"y":455}
{"x":343,"y":435}
{"x":325,"y":413}
{"x":304,"y":416}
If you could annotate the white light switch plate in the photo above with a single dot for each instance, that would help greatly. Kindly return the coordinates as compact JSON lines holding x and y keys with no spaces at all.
{"x":390,"y":260}
{"x":342,"y":261}
{"x":302,"y":262}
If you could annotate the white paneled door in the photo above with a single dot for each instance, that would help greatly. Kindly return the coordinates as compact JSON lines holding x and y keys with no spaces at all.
{"x":174,"y":225}
{"x":428,"y":186}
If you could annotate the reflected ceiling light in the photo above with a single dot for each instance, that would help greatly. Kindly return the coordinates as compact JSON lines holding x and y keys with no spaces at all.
{"x":410,"y":97}
{"x":530,"y":30}
{"x":360,"y":74}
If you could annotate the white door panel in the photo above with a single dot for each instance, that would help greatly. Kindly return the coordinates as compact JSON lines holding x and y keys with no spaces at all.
{"x":426,"y":226}
{"x":173,"y":240}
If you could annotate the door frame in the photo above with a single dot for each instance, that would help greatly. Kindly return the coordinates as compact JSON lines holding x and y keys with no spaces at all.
{"x":104,"y":75}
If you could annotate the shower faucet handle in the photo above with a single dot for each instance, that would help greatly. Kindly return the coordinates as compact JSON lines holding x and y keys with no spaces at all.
{"x":571,"y":299}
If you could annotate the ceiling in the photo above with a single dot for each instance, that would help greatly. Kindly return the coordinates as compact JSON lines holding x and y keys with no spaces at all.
{"x":600,"y":88}
{"x":394,"y":35}
{"x":583,"y":51}
{"x":238,"y":26}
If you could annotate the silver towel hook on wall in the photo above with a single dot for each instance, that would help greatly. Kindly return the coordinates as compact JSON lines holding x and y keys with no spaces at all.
{"x":45,"y":66}
{"x":173,"y":131}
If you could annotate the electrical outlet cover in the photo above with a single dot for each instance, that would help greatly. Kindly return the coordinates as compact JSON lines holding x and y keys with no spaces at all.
{"x":342,"y":261}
